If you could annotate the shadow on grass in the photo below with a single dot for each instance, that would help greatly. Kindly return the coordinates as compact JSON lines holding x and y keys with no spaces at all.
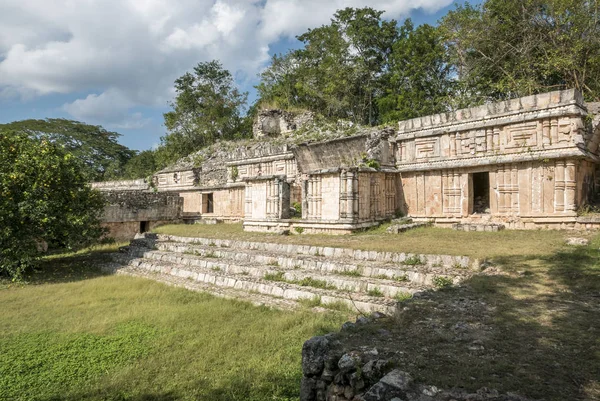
{"x":534,"y":331}
{"x":56,"y":268}
{"x":235,"y":389}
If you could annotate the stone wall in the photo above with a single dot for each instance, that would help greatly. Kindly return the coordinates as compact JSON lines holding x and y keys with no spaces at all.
{"x":122,"y":185}
{"x":350,"y":195}
{"x":275,"y":122}
{"x":530,"y":189}
{"x":533,"y":128}
{"x":267,"y":198}
{"x":141,"y":206}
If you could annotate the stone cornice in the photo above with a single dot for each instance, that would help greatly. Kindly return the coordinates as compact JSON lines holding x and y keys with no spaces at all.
{"x":553,"y":104}
{"x":499,"y":159}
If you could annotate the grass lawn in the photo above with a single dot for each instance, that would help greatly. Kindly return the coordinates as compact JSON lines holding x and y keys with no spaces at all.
{"x":72,"y":333}
{"x":422,"y":240}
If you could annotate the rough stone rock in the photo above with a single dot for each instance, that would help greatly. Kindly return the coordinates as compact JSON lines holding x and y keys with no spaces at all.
{"x":349,"y":361}
{"x":348,"y":326}
{"x":314,"y":353}
{"x":308,"y":389}
{"x":394,"y":384}
{"x":577,"y":241}
{"x":398,"y":379}
{"x":374,"y":370}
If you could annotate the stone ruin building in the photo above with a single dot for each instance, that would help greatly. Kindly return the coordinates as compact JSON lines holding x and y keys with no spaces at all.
{"x":524,"y":163}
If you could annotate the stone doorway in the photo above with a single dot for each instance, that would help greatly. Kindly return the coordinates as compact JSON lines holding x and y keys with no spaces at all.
{"x":144,"y":226}
{"x":481,"y":193}
{"x":207,"y":203}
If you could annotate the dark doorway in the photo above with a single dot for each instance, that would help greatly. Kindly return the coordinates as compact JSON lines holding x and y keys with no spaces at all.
{"x":481,"y":192}
{"x":207,"y":203}
{"x":144,"y":226}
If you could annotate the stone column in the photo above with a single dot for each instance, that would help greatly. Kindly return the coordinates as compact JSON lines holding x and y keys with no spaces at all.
{"x":559,"y":187}
{"x":570,"y":186}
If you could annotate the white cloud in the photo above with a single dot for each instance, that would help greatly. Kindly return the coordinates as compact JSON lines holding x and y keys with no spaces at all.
{"x":127,"y":53}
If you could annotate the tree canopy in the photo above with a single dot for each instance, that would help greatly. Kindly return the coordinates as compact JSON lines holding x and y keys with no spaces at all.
{"x":511,"y":48}
{"x":207,"y":107}
{"x":101,"y":155}
{"x":44,"y":199}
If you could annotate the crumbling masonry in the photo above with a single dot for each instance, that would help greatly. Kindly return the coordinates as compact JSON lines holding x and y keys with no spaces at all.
{"x":524,"y":163}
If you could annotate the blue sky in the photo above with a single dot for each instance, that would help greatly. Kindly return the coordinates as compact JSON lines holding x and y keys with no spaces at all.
{"x":113,"y":62}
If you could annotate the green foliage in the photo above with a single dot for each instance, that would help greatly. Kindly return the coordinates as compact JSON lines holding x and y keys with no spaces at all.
{"x":350,"y":273}
{"x":402,"y":296}
{"x":44,"y":199}
{"x":375,"y":292}
{"x":298,"y":208}
{"x":311,"y":282}
{"x":299,"y":230}
{"x":279,"y":276}
{"x":142,"y":165}
{"x":413,"y":260}
{"x":207,"y":108}
{"x":234,"y":173}
{"x":419,"y":78}
{"x":511,"y":48}
{"x":337,"y":72}
{"x":101,"y":155}
{"x":442,"y":282}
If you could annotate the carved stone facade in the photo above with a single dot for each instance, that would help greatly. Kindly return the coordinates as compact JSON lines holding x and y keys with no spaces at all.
{"x":523,"y":163}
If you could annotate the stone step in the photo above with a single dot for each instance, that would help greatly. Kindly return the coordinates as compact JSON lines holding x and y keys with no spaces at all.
{"x":248,"y":283}
{"x":328,"y":252}
{"x":337,"y":273}
{"x":418,"y":274}
{"x":388,"y":288}
{"x":224,"y":292}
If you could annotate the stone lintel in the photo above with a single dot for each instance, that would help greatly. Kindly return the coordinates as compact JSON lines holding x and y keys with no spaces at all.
{"x":570,"y":152}
{"x":264,"y":159}
{"x":352,"y":170}
{"x":281,"y":177}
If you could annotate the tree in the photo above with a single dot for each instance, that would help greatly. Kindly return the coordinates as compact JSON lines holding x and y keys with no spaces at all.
{"x":102,"y":156}
{"x":511,"y":48}
{"x":141,"y":165}
{"x":419,"y":77}
{"x":207,"y":108}
{"x":44,"y":199}
{"x":339,"y":72}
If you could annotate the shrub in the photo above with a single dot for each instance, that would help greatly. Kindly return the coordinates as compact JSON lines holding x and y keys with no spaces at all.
{"x":45,"y":201}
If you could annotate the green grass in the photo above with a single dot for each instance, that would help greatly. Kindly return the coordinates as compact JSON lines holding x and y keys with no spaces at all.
{"x":73,"y":333}
{"x":375,"y":292}
{"x":424,"y":240}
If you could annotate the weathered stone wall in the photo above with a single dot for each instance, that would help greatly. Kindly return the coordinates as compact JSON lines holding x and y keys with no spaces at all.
{"x":122,"y":231}
{"x":538,"y":127}
{"x":127,"y":209}
{"x":122,"y":185}
{"x":531,"y":189}
{"x":267,"y":198}
{"x":141,"y":206}
{"x":275,"y":122}
{"x":352,"y":195}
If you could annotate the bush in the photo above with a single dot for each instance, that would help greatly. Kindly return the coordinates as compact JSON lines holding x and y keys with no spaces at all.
{"x":45,"y":201}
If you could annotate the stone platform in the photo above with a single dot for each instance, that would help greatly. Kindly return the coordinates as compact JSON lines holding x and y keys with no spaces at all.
{"x":288,"y":275}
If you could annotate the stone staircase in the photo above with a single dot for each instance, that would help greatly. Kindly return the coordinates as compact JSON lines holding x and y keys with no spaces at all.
{"x":287,"y":275}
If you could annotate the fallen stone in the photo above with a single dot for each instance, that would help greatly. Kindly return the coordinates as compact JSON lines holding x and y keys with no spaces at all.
{"x":577,"y":241}
{"x":349,"y":361}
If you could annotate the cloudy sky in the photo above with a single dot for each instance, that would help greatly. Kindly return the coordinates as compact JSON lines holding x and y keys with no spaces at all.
{"x":113,"y":62}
